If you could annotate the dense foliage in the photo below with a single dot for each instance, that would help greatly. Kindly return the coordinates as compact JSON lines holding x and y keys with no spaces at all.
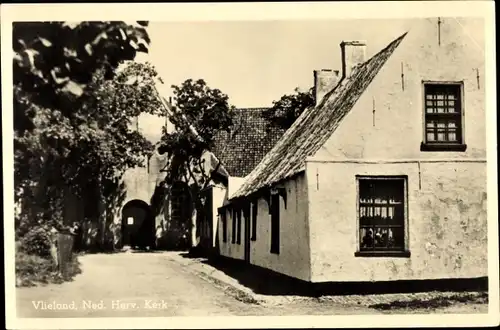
{"x":74,"y":99}
{"x":200,"y":112}
{"x":37,"y":242}
{"x":208,"y":111}
{"x":288,"y":108}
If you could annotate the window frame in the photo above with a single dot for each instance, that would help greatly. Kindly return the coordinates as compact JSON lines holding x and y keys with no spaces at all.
{"x":443,"y":146}
{"x":404,"y":252}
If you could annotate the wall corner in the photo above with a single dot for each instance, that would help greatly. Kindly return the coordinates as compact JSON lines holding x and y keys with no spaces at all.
{"x":308,"y":220}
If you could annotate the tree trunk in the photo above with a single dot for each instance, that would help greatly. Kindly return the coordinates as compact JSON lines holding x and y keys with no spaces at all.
{"x":194,"y":238}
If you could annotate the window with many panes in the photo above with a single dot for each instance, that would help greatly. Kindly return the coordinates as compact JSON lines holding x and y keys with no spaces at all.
{"x":382,"y":215}
{"x":443,"y":117}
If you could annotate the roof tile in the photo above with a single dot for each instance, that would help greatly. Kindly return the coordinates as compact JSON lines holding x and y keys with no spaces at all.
{"x":248,"y":142}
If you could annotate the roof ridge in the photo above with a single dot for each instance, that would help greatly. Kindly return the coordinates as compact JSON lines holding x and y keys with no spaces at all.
{"x":315,"y":126}
{"x":251,"y":108}
{"x":397,"y":40}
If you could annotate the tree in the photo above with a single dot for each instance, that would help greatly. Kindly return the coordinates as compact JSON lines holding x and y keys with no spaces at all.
{"x":206,"y":109}
{"x":71,"y":110}
{"x":209,"y":112}
{"x":54,"y":61}
{"x":288,"y":108}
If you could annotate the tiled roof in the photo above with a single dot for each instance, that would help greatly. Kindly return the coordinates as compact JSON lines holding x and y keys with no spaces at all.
{"x":313,"y":128}
{"x":249,"y":141}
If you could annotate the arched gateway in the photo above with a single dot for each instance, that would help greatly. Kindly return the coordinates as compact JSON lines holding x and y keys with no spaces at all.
{"x":137,"y":225}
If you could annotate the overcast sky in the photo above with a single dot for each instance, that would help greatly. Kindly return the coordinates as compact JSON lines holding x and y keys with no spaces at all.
{"x":256,"y":62}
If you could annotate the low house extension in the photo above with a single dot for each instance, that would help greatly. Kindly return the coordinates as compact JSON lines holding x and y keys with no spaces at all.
{"x":385,"y":177}
{"x":239,"y":152}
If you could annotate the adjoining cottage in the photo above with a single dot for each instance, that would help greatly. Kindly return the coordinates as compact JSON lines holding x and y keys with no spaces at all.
{"x":385,"y":177}
{"x":238,"y":151}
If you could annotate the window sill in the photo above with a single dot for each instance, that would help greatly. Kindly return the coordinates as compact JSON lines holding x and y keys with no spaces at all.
{"x":442,"y":147}
{"x":395,"y":254}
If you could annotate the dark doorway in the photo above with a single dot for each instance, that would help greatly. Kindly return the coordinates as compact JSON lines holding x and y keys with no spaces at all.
{"x":275,"y":224}
{"x":137,"y":225}
{"x":205,"y":221}
{"x":247,"y":237}
{"x":178,"y":236}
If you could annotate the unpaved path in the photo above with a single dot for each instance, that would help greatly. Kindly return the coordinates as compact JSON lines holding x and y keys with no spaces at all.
{"x":149,"y":284}
{"x":163,"y":284}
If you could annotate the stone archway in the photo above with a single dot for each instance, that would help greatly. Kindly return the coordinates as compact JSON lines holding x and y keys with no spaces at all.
{"x":138,"y":225}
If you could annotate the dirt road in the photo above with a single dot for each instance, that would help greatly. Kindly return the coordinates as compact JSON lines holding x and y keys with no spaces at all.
{"x":149,"y":284}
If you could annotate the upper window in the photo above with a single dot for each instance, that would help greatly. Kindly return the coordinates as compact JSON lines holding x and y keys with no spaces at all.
{"x":443,"y":117}
{"x":382,"y":216}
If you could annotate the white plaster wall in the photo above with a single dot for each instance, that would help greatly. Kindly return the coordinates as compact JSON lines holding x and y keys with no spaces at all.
{"x":234,"y":183}
{"x":228,"y":249}
{"x":293,"y":258}
{"x":398,"y":129}
{"x":294,"y":255}
{"x":447,"y":222}
{"x":448,"y":213}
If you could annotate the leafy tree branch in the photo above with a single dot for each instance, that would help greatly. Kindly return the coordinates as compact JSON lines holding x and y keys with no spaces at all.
{"x":288,"y":108}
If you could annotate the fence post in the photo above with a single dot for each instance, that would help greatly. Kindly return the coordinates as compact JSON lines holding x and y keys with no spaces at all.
{"x":65,"y":242}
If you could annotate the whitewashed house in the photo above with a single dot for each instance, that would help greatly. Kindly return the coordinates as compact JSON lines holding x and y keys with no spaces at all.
{"x":385,"y":177}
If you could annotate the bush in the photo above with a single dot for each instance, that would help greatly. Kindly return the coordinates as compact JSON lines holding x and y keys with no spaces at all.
{"x":36,"y":242}
{"x":32,"y":268}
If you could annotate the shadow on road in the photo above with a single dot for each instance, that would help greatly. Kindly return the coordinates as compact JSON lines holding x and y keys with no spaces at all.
{"x":267,"y":282}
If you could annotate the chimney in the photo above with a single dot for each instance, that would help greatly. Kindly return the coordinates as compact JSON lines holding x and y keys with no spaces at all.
{"x":353,"y":53}
{"x":324,"y":81}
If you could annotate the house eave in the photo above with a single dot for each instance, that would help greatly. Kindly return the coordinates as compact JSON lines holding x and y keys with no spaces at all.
{"x":262,"y":191}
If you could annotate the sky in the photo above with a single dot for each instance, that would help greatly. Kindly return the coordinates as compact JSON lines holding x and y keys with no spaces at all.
{"x":256,"y":62}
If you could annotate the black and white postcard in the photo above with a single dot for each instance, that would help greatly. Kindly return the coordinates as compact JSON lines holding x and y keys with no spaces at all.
{"x":215,"y":165}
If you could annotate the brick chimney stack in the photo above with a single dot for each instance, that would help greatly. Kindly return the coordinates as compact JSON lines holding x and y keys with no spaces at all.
{"x":353,"y":53}
{"x":324,"y":81}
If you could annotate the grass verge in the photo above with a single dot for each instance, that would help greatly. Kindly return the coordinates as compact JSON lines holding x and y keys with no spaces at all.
{"x":436,"y":302}
{"x":32,"y":270}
